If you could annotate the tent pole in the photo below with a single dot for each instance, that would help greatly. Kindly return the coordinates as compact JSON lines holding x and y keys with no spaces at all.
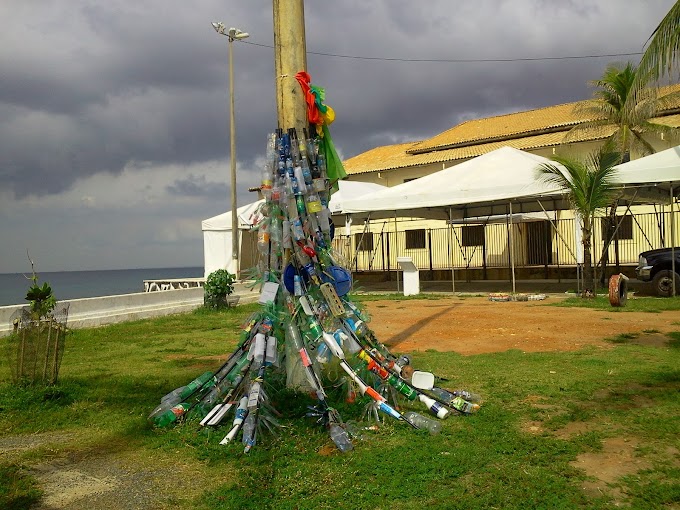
{"x":395,"y":244}
{"x":512,"y":251}
{"x":672,"y":238}
{"x":453,"y":278}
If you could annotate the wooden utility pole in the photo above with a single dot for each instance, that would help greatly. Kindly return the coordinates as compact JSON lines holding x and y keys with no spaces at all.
{"x":290,"y":57}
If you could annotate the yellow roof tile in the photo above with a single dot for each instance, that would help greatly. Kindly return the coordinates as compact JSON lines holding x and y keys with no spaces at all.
{"x":526,"y":130}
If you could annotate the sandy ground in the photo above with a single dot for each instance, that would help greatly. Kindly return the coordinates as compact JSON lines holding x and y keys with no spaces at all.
{"x":476,"y":325}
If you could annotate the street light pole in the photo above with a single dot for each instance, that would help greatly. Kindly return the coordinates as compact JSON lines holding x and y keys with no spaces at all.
{"x":232,"y":34}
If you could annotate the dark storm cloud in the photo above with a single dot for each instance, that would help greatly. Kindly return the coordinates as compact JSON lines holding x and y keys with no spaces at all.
{"x":93,"y":87}
{"x":198,"y":186}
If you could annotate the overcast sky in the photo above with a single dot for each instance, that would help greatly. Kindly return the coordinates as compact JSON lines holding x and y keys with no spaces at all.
{"x":114,"y":119}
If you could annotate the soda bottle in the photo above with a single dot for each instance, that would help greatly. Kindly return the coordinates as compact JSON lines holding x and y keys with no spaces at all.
{"x":402,"y":387}
{"x":165,"y":418}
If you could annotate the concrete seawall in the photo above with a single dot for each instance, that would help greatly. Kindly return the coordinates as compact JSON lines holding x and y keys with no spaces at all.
{"x":98,"y":311}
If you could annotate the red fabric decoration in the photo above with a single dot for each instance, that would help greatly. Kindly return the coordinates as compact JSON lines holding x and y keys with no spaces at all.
{"x":313,"y":114}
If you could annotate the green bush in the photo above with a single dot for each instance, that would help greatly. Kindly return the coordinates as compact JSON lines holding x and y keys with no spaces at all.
{"x":218,"y":286}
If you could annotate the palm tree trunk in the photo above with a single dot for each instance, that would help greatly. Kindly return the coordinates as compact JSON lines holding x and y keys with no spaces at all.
{"x":588,"y":276}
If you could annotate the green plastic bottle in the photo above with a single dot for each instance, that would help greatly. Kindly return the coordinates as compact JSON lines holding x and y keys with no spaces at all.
{"x":402,"y":387}
{"x":171,"y":415}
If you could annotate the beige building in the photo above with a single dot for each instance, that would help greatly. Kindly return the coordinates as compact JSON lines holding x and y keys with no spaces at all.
{"x":540,"y":246}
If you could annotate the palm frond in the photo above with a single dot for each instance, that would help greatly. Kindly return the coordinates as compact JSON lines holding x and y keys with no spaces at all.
{"x":663,"y":50}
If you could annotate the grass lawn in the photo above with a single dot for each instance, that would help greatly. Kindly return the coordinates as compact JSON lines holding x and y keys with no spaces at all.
{"x":546,"y":417}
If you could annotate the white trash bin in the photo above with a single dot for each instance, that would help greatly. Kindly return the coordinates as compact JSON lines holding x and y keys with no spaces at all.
{"x":411,"y":276}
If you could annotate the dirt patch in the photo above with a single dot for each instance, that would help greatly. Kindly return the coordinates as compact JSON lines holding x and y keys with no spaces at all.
{"x":476,"y":325}
{"x":119,"y":481}
{"x":617,"y":459}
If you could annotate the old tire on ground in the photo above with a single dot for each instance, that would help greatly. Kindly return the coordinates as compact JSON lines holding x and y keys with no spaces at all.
{"x":618,"y":290}
{"x":663,"y":283}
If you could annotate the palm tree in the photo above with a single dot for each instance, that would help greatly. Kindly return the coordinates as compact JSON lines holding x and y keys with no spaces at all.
{"x":663,"y":50}
{"x":624,"y":116}
{"x":589,"y":187}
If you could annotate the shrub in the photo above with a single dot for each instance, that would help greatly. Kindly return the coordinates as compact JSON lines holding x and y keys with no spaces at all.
{"x":218,"y":286}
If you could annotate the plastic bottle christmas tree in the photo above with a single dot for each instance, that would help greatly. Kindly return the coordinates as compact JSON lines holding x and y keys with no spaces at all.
{"x":307,"y":321}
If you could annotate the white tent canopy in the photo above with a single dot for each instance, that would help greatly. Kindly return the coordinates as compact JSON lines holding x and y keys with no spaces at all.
{"x":482,"y":186}
{"x":349,"y":190}
{"x":217,"y":237}
{"x":654,"y":177}
{"x":217,"y":230}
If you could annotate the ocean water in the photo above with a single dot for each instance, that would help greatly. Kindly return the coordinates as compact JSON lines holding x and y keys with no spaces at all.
{"x":84,"y":284}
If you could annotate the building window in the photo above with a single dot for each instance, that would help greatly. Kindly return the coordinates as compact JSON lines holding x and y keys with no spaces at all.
{"x":364,"y":241}
{"x":625,"y":228}
{"x":415,"y":239}
{"x":625,"y":231}
{"x":473,"y":235}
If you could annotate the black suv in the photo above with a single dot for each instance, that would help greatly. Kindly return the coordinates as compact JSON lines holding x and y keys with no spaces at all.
{"x":655,"y":266}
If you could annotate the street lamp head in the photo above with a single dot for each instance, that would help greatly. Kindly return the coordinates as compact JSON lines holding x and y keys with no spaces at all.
{"x":235,"y":33}
{"x":220,"y":28}
{"x":232,"y":33}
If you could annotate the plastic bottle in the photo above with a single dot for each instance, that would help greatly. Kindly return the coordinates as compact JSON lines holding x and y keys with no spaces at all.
{"x":315,"y":328}
{"x":263,"y":237}
{"x":286,"y":240}
{"x":271,"y":356}
{"x":313,"y":203}
{"x":296,"y":229}
{"x":165,"y":418}
{"x":241,"y":413}
{"x":435,"y":407}
{"x":402,"y":387}
{"x":235,"y":372}
{"x":300,"y":205}
{"x":302,"y":186}
{"x":249,"y":432}
{"x":179,"y":394}
{"x":422,"y":422}
{"x":469,"y":396}
{"x":459,"y":404}
{"x":321,"y":161}
{"x":449,"y":396}
{"x":306,"y":172}
{"x":340,"y":438}
{"x":442,"y":394}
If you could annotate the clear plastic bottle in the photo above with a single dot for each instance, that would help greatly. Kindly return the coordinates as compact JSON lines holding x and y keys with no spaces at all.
{"x":422,"y":422}
{"x":449,"y":396}
{"x":340,"y":438}
{"x":249,"y":432}
{"x":468,"y":395}
{"x":442,"y":394}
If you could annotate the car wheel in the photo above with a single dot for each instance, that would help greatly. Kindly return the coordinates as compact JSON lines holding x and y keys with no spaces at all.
{"x":663,"y":283}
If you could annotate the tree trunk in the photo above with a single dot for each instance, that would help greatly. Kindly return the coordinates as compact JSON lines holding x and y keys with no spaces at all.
{"x":588,"y":276}
{"x":609,"y":228}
